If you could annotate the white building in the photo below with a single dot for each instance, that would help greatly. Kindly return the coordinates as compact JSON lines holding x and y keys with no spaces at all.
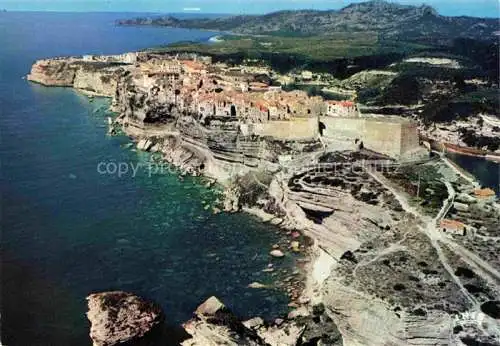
{"x":342,"y":109}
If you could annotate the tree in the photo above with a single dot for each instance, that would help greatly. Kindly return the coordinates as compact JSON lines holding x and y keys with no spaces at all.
{"x":314,"y":90}
{"x":404,"y":89}
{"x":459,"y":82}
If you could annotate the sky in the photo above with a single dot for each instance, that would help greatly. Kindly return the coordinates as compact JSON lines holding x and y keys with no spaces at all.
{"x":481,"y":8}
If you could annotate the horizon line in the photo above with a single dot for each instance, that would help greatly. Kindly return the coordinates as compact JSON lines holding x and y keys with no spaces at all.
{"x":201,"y":12}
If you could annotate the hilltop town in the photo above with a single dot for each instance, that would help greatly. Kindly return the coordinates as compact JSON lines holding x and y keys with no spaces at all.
{"x":243,"y":98}
{"x":404,"y":242}
{"x":392,"y":58}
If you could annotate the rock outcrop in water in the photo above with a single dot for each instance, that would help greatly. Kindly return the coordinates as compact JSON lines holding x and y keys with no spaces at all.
{"x":119,"y":318}
{"x":214,"y":324}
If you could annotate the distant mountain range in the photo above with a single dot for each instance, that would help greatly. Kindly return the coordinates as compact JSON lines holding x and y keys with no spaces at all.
{"x":389,"y":20}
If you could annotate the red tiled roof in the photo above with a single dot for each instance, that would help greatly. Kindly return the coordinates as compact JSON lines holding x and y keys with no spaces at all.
{"x":452,"y":224}
{"x":484,"y":192}
{"x":342,"y":103}
{"x":262,"y":106}
{"x":193,"y":64}
{"x":259,"y":85}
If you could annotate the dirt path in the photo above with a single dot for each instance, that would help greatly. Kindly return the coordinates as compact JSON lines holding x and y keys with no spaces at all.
{"x":430,"y":229}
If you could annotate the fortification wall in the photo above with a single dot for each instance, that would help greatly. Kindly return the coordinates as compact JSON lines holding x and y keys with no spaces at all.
{"x":409,"y":141}
{"x":343,"y":128}
{"x":293,"y":129}
{"x":391,"y":136}
{"x":383,"y":137}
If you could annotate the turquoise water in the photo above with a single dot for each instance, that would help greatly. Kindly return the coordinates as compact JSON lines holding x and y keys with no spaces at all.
{"x":68,"y":231}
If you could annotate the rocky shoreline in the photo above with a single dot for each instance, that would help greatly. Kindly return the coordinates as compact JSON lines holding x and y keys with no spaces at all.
{"x":177,"y":155}
{"x":121,"y":318}
{"x":297,"y":284}
{"x":292,"y":241}
{"x":381,"y":270}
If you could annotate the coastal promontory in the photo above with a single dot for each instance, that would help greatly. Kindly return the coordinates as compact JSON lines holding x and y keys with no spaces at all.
{"x":402,"y":243}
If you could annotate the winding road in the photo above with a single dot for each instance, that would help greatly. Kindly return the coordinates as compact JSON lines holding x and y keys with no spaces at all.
{"x":438,"y":239}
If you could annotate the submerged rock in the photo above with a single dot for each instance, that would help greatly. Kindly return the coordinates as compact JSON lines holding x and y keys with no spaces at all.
{"x":119,"y":317}
{"x":277,"y":253}
{"x":257,"y":285}
{"x":492,"y":309}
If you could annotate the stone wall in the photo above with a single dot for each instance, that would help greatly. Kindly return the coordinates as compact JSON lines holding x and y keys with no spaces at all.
{"x":342,"y":128}
{"x":392,"y":136}
{"x":293,"y":129}
{"x":408,"y":140}
{"x":383,"y":136}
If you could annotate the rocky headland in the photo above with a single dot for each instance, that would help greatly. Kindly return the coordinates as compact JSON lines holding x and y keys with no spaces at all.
{"x":387,"y":267}
{"x":120,"y":318}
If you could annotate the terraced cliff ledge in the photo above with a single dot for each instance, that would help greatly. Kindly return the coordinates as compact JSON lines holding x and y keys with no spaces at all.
{"x":403,"y":245}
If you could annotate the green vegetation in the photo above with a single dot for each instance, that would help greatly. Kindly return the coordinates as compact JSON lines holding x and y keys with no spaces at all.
{"x":404,"y":90}
{"x":322,"y":48}
{"x":341,"y":54}
{"x":362,"y":37}
{"x":389,"y":20}
{"x":97,"y":65}
{"x":462,"y":105}
{"x":347,"y":41}
{"x":423,"y":183}
{"x":314,"y":90}
{"x":473,"y":140}
{"x":455,"y":99}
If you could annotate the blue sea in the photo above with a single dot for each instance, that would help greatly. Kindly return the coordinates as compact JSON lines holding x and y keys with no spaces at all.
{"x":68,"y":231}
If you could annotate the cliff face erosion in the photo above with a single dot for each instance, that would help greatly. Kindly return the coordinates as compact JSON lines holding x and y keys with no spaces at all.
{"x":382,"y":270}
